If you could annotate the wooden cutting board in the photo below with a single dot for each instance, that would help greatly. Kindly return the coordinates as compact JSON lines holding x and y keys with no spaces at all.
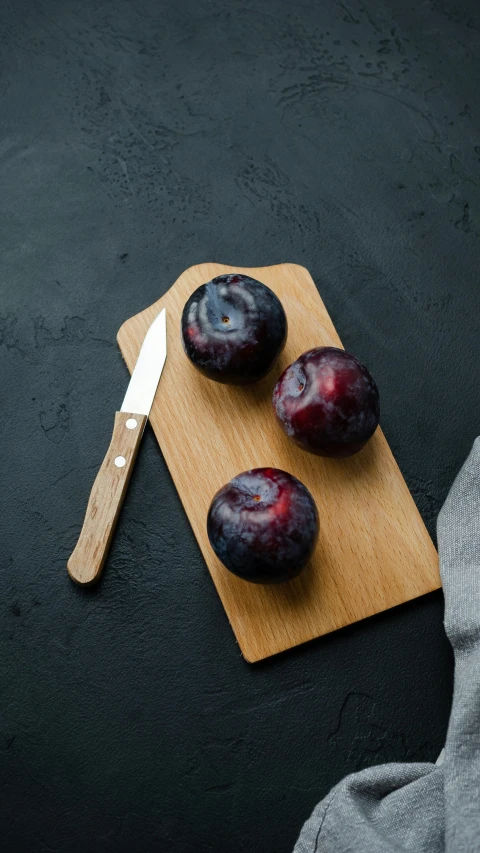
{"x":374,"y":551}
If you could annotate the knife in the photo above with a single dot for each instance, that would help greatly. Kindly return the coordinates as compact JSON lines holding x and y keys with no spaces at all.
{"x":87,"y":560}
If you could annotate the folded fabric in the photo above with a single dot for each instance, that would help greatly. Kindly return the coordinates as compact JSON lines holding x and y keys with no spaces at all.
{"x":426,"y":808}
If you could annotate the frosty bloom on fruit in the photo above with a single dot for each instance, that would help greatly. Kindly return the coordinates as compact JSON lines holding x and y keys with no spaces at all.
{"x":327,"y":402}
{"x":263,"y":525}
{"x":233,"y":329}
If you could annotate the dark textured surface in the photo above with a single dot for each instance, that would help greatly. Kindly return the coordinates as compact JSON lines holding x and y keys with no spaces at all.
{"x":137,"y":139}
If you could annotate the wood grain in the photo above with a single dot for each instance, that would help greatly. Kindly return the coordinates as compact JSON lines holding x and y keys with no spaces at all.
{"x":87,"y":560}
{"x":374,"y":551}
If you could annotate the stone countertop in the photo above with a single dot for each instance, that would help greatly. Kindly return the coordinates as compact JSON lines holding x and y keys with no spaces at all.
{"x":137,"y":139}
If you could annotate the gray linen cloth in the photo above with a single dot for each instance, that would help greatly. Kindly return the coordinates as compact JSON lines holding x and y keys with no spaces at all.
{"x":426,"y":808}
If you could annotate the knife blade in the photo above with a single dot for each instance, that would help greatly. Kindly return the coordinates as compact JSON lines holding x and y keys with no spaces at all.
{"x":88,"y":558}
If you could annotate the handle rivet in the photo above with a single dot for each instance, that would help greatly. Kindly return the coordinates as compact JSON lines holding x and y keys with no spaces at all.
{"x":131,"y":423}
{"x":120,"y":461}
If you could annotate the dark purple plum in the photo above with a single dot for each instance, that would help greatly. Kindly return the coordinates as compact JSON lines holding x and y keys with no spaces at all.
{"x":263,"y":525}
{"x":233,"y":329}
{"x":327,"y":402}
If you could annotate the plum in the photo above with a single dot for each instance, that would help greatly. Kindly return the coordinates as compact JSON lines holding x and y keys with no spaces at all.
{"x":327,"y":402}
{"x":233,"y":329}
{"x":263,"y":525}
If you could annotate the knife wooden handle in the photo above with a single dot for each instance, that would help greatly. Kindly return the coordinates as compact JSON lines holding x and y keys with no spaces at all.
{"x":86,"y":563}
